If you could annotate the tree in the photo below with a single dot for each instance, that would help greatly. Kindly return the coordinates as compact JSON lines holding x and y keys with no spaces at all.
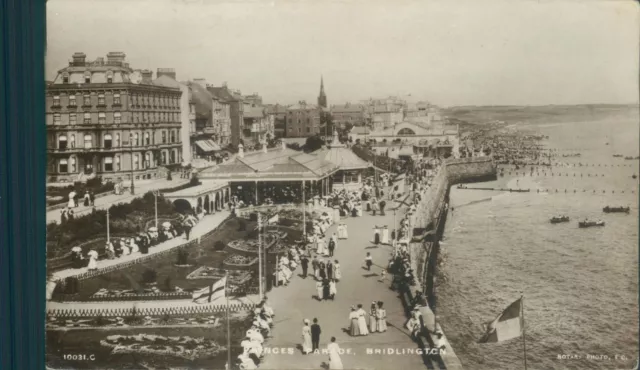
{"x":326,"y":122}
{"x":313,"y":143}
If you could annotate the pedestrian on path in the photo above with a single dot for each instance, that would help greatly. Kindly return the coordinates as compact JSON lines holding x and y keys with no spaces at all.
{"x":316,"y":265}
{"x":315,"y":335}
{"x":354,"y":328}
{"x":373,"y":317}
{"x":362,"y":321}
{"x":335,"y":362}
{"x":304,"y":261}
{"x":368,"y":261}
{"x":306,"y":338}
{"x":319,"y":288}
{"x":92,"y":198}
{"x":381,"y":318}
{"x":385,"y":235}
{"x":333,"y":290}
{"x":326,"y":293}
{"x":332,"y":247}
{"x":329,"y":270}
{"x":337,"y":274}
{"x":376,"y":235}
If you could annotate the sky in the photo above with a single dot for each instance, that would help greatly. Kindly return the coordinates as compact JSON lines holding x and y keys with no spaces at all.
{"x":489,"y":52}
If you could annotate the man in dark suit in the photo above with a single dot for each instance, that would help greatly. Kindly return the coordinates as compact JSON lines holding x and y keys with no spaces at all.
{"x":315,"y":335}
{"x":305,"y":265}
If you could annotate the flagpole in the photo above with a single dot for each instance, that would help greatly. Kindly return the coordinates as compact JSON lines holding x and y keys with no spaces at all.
{"x":226,"y":296}
{"x":524,"y":340}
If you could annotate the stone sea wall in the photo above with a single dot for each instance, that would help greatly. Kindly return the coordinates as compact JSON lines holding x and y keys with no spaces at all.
{"x":430,"y":210}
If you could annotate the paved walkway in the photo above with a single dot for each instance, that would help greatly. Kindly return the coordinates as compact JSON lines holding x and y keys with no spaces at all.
{"x":294,"y":303}
{"x":206,"y":224}
{"x":103,"y":202}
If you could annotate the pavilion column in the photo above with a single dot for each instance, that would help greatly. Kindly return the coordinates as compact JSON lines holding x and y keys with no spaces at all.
{"x":344,"y":178}
{"x":359,"y":177}
{"x":256,"y":203}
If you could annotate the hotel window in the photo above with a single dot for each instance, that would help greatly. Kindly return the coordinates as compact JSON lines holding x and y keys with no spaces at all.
{"x":164,"y":137}
{"x":117,"y":163}
{"x":173,"y":136}
{"x":65,"y":78}
{"x":63,"y":168}
{"x":88,"y":142}
{"x":87,"y":100}
{"x":147,"y":139}
{"x":164,"y":158}
{"x":72,"y":141}
{"x":56,"y":118}
{"x":147,"y":160}
{"x":87,"y":77}
{"x":87,"y":118}
{"x":117,"y":144}
{"x":56,"y":100}
{"x":109,"y":77}
{"x":72,"y":118}
{"x":116,"y":99}
{"x":73,"y":164}
{"x":134,"y":99}
{"x":72,"y":100}
{"x":102,"y":118}
{"x":136,"y":139}
{"x":173,"y":156}
{"x":117,"y":117}
{"x":100,"y":99}
{"x":62,"y":142}
{"x":108,"y":164}
{"x":108,"y":142}
{"x":136,"y":162}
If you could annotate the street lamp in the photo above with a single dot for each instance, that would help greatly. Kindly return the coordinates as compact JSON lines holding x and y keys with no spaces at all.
{"x":155,"y":196}
{"x":260,"y":262}
{"x":108,"y":234}
{"x":131,"y":157}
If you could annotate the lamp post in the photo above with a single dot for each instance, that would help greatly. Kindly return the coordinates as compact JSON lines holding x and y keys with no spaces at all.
{"x":260,"y":262}
{"x":155,"y":196}
{"x":304,"y":213}
{"x":108,"y":234}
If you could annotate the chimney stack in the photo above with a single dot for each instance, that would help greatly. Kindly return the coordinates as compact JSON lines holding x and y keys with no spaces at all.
{"x":147,"y":75}
{"x":169,"y":72}
{"x":79,"y":58}
{"x":201,"y":81}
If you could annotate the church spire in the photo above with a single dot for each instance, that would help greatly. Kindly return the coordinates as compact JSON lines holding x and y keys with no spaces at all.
{"x":322,"y":98}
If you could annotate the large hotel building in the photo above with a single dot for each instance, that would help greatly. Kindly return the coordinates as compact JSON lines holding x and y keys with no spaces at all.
{"x":107,"y":119}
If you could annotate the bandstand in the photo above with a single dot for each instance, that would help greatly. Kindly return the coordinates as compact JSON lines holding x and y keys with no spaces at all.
{"x":350,"y":166}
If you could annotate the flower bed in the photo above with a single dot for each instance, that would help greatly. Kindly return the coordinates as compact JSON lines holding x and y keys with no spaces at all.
{"x":121,"y":322}
{"x":238,"y":262}
{"x":185,"y":347}
{"x":205,"y":272}
{"x":134,"y":295}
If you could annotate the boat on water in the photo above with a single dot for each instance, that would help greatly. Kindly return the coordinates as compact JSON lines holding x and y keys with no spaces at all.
{"x":608,"y":209}
{"x":634,"y":176}
{"x":589,"y":223}
{"x":618,"y":155}
{"x":628,"y":158}
{"x":559,"y":219}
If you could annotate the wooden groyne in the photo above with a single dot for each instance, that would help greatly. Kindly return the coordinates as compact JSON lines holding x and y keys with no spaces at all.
{"x":497,"y":189}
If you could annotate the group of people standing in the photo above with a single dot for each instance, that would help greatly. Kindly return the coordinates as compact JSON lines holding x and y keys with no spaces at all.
{"x":252,"y":344}
{"x":377,"y":320}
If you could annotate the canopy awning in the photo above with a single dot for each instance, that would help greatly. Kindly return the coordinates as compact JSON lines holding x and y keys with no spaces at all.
{"x":207,"y":145}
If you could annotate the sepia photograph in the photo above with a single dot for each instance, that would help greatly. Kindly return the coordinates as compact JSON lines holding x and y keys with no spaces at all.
{"x":342,"y":184}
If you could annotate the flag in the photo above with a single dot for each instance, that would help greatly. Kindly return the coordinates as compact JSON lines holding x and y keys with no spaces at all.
{"x":211,"y":293}
{"x":507,"y":325}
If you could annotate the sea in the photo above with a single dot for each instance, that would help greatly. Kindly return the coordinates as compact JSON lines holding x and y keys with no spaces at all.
{"x":579,"y":286}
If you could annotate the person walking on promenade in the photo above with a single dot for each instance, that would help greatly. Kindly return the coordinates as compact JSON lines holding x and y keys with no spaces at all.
{"x":319,"y":289}
{"x":187,"y":231}
{"x":373,"y":317}
{"x":332,"y":247}
{"x":304,"y":261}
{"x":385,"y":235}
{"x":316,"y":267}
{"x":92,"y":198}
{"x":315,"y":335}
{"x":362,"y":320}
{"x":374,"y":206}
{"x":335,"y":362}
{"x":333,"y":290}
{"x":306,"y":337}
{"x":368,"y":261}
{"x":329,"y":270}
{"x":326,"y":293}
{"x":376,"y":235}
{"x":337,"y":274}
{"x":382,"y":205}
{"x":381,"y":318}
{"x":354,"y":328}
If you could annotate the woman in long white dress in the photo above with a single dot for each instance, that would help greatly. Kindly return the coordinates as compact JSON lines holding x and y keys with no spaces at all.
{"x":334,"y":355}
{"x":319,"y":288}
{"x":385,"y":235}
{"x":362,"y":321}
{"x":321,"y":247}
{"x":93,"y":260}
{"x":333,"y":290}
{"x":306,"y":337}
{"x":354,"y":328}
{"x":337,"y":273}
{"x":373,"y":314}
{"x":381,"y":318}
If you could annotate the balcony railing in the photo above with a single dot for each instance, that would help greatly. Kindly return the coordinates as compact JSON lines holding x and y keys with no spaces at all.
{"x":123,"y":148}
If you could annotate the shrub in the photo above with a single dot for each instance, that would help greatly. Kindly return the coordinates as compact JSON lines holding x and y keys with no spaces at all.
{"x":167,"y":284}
{"x":182,"y":257}
{"x":149,"y":276}
{"x":169,"y":175}
{"x":253,"y":217}
{"x":218,"y":245}
{"x":242,"y":225}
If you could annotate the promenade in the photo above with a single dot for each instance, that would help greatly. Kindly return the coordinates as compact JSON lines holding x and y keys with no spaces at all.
{"x":294,"y":303}
{"x":141,"y":187}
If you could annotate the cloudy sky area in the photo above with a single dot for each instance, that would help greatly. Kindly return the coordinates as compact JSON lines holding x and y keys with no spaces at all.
{"x":489,"y":52}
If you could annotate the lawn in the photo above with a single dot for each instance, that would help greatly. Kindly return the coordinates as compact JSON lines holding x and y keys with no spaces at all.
{"x":87,"y":342}
{"x":168,"y":275}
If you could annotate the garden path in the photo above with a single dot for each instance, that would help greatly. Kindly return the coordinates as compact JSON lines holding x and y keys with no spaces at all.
{"x":206,"y":224}
{"x":103,"y":202}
